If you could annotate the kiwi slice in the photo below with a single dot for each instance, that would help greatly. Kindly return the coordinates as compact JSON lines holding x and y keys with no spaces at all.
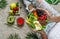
{"x":10,"y":19}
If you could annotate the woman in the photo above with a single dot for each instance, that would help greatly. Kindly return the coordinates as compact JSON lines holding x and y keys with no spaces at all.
{"x":44,"y":5}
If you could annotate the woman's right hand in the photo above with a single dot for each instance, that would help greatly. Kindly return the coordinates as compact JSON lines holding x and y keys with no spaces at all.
{"x":43,"y":34}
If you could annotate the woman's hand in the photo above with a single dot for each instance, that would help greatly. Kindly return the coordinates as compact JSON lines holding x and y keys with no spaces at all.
{"x":43,"y":34}
{"x":55,"y":18}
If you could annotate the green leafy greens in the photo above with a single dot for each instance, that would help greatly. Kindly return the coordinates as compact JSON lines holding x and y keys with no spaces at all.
{"x":3,"y":3}
{"x":31,"y":36}
{"x":13,"y":36}
{"x":53,"y":1}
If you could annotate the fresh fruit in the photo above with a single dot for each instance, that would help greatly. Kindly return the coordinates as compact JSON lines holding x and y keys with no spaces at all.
{"x":15,"y":9}
{"x":20,"y":21}
{"x":11,"y":12}
{"x":10,"y":19}
{"x":12,"y":5}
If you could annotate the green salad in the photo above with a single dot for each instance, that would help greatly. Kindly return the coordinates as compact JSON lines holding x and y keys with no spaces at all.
{"x":31,"y":20}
